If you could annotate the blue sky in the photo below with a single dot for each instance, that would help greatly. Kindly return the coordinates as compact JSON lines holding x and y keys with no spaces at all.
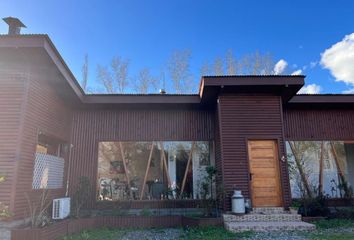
{"x":146,"y":32}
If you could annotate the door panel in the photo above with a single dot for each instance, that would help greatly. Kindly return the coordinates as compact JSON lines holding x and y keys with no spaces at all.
{"x":264,"y":169}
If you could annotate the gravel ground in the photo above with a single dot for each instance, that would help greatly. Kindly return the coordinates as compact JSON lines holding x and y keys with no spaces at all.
{"x":174,"y":234}
{"x":297,"y":235}
{"x":154,"y":234}
{"x":283,"y":235}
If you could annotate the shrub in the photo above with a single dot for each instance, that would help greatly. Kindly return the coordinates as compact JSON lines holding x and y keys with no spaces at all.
{"x":81,"y":195}
{"x":4,"y":210}
{"x":38,"y":208}
{"x":314,"y":206}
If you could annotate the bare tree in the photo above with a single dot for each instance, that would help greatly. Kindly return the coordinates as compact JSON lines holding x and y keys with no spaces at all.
{"x":145,"y":82}
{"x":178,"y":68}
{"x":105,"y":78}
{"x":85,"y":73}
{"x":114,"y":80}
{"x":231,"y":63}
{"x":218,"y":66}
{"x":254,"y":63}
{"x":120,"y":73}
{"x":267,"y":63}
{"x":205,"y":70}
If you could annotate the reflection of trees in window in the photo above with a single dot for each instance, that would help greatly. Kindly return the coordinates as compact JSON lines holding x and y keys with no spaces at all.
{"x":317,"y":167}
{"x":135,"y":170}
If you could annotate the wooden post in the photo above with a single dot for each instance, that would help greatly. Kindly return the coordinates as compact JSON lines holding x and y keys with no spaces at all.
{"x":320,"y":177}
{"x":301,"y":171}
{"x":125,"y":168}
{"x":339,"y":167}
{"x":165,"y":164}
{"x":147,"y":171}
{"x":187,"y":168}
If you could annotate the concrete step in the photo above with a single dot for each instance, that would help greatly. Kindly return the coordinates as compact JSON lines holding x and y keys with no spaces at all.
{"x":5,"y":234}
{"x":254,"y":217}
{"x":269,"y":210}
{"x":268,"y":226}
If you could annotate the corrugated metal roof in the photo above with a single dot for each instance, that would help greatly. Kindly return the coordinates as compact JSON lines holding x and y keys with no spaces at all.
{"x":141,"y":94}
{"x":250,"y":75}
{"x":24,"y":35}
{"x":325,"y":94}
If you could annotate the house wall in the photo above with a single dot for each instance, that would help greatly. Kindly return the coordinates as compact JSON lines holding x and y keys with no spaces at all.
{"x":319,"y":124}
{"x":45,"y":112}
{"x":13,"y":86}
{"x":218,"y":162}
{"x":91,"y":126}
{"x":248,"y":117}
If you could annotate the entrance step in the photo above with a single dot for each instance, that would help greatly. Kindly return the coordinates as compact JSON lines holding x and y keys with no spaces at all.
{"x":268,"y":226}
{"x":5,"y":234}
{"x":256,"y":217}
{"x":269,"y":210}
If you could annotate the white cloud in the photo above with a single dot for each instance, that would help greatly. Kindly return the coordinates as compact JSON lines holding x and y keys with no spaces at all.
{"x":339,"y":60}
{"x":280,"y":67}
{"x":350,"y":91}
{"x":297,"y":72}
{"x":310,"y":89}
{"x":313,"y":64}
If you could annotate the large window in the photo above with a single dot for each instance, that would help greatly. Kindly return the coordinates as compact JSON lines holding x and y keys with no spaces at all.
{"x":321,"y":167}
{"x":152,"y":170}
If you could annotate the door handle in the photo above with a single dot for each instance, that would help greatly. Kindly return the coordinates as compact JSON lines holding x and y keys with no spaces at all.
{"x":251,"y":176}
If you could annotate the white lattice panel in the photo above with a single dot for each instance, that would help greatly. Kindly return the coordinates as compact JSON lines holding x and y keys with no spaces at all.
{"x":48,"y":172}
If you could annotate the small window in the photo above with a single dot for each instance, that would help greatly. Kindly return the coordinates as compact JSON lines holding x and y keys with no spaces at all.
{"x":48,"y":172}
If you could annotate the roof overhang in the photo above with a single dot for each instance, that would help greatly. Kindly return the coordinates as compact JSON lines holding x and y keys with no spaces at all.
{"x":146,"y":101}
{"x":284,"y":86}
{"x":40,"y":49}
{"x":324,"y":101}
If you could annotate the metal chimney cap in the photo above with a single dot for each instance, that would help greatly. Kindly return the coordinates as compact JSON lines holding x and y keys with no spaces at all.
{"x":15,"y":25}
{"x":14,"y":22}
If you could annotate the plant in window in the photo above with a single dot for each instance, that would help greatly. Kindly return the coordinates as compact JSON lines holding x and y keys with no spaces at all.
{"x":207,"y":190}
{"x":81,"y":195}
{"x":345,"y":189}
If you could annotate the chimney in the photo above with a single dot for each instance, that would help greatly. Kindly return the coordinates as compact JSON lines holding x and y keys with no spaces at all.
{"x":162,"y":91}
{"x":15,"y":25}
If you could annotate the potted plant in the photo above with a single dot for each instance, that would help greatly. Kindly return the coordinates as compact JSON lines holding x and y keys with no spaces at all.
{"x":210,"y":216}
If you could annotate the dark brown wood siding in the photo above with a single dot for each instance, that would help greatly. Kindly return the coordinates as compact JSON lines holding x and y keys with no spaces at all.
{"x":12,"y":88}
{"x":218,"y":162}
{"x":90,"y":127}
{"x":319,"y":124}
{"x":44,"y":111}
{"x":242,"y":118}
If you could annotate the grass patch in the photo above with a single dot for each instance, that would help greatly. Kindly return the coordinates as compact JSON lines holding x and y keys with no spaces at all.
{"x":98,"y":234}
{"x":211,"y":233}
{"x":332,"y":236}
{"x":334,"y":223}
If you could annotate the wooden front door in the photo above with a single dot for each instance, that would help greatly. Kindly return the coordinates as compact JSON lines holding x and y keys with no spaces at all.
{"x":264,"y":170}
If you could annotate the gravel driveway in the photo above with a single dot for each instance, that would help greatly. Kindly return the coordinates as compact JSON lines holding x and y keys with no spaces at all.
{"x":173,"y":234}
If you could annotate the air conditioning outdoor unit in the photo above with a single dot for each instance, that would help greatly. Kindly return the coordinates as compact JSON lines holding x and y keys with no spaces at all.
{"x":61,"y":208}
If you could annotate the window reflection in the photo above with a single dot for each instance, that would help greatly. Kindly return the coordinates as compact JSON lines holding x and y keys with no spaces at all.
{"x":325,"y":167}
{"x":152,"y":170}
